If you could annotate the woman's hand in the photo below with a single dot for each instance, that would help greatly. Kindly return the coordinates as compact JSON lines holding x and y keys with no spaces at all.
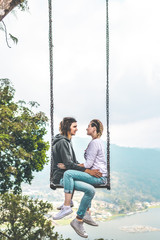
{"x":61,"y":166}
{"x":94,"y":172}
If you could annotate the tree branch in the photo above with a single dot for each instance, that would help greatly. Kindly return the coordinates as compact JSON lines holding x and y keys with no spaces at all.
{"x":13,"y":4}
{"x":5,"y":235}
{"x":5,"y":30}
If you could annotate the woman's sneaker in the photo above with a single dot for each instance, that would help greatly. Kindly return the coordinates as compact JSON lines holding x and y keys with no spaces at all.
{"x":71,"y":204}
{"x":88,"y":219}
{"x":66,"y":210}
{"x":78,"y":227}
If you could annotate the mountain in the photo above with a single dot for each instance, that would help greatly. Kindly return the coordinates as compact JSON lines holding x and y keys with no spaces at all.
{"x":134,"y":173}
{"x":139,"y":169}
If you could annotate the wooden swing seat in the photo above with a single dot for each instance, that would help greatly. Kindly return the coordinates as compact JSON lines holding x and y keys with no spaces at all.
{"x":55,"y":186}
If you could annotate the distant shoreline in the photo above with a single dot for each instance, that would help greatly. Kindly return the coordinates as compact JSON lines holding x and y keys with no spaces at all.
{"x":64,"y":222}
{"x":139,"y":229}
{"x":139,"y":226}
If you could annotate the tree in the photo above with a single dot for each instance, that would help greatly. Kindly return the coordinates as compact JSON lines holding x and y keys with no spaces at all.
{"x":22,"y":147}
{"x":24,"y":219}
{"x":7,"y":5}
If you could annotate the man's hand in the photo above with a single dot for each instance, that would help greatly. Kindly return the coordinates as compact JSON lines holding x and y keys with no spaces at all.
{"x":80,"y":165}
{"x":94,"y":172}
{"x":61,"y":166}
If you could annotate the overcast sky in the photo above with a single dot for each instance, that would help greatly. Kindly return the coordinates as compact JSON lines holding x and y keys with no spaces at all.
{"x":79,"y":64}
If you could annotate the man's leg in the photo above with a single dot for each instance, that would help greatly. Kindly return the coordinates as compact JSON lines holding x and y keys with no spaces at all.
{"x":66,"y":208}
{"x":89,"y":192}
{"x":71,"y":203}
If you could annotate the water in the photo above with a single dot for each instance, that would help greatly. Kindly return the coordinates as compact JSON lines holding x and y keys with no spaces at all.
{"x":110,"y":230}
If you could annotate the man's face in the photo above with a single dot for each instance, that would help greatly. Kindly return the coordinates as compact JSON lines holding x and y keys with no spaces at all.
{"x":73,"y":128}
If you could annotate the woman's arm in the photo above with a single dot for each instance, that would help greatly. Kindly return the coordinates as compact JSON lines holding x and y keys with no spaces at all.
{"x":91,"y":154}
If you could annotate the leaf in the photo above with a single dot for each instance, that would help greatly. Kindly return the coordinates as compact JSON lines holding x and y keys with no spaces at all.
{"x":14,"y":39}
{"x":34,"y":104}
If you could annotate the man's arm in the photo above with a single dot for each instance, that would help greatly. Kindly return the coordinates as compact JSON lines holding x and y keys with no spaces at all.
{"x":67,"y":157}
{"x":93,"y":172}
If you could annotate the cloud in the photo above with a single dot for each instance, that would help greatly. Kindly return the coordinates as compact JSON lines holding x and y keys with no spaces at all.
{"x":134,"y":72}
{"x":79,"y":60}
{"x":145,"y":134}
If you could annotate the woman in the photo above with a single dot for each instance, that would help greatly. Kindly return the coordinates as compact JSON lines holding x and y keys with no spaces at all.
{"x":82,"y":181}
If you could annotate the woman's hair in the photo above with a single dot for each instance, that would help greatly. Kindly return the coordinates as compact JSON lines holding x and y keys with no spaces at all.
{"x":99,"y":126}
{"x":65,"y":124}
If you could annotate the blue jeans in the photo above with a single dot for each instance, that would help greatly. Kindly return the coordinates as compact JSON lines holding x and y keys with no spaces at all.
{"x":81,"y":181}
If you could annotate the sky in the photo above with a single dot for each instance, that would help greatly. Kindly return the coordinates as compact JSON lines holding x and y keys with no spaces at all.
{"x":80,"y":64}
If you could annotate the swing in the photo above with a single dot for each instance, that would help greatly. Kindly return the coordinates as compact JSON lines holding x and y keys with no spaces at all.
{"x":52,"y":185}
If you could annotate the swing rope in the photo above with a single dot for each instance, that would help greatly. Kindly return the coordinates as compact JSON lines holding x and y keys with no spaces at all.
{"x":51,"y":85}
{"x":53,"y":186}
{"x":107,"y":96}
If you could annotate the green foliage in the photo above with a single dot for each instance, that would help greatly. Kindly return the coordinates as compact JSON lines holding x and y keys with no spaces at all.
{"x":14,"y":39}
{"x":23,"y":6}
{"x":22,"y":218}
{"x":23,"y":149}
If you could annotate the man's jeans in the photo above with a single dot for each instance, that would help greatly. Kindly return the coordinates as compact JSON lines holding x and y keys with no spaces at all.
{"x":81,"y":181}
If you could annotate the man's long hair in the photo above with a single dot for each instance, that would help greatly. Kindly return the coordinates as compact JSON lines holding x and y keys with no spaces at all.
{"x":65,"y":124}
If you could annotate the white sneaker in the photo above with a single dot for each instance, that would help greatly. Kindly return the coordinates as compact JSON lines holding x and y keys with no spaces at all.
{"x":88,"y":219}
{"x":66,"y":210}
{"x":60,"y":207}
{"x":78,"y":227}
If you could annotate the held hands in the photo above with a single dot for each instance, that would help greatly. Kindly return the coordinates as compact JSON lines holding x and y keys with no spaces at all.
{"x":94,"y":172}
{"x":61,"y":166}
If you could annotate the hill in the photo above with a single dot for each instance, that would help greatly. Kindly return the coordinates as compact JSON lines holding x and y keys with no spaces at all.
{"x":134,"y":174}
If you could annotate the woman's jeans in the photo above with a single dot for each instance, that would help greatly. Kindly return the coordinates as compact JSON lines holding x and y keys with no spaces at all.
{"x":81,"y":181}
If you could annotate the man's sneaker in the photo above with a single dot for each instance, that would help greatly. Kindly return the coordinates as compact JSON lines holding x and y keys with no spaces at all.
{"x":66,"y":210}
{"x":78,"y":227}
{"x":88,"y":219}
{"x":71,"y":204}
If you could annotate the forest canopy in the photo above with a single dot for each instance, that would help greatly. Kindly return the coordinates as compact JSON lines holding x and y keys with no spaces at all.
{"x":23,"y":149}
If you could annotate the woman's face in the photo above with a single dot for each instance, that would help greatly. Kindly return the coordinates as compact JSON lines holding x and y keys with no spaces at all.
{"x":73,"y":128}
{"x":90,"y":129}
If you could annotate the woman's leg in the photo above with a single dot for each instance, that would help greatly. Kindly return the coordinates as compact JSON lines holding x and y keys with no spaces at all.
{"x":89,"y":192}
{"x":71,"y":175}
{"x":69,"y":178}
{"x":79,"y":181}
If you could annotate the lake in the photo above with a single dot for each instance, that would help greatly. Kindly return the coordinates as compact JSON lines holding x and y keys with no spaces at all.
{"x":110,"y":230}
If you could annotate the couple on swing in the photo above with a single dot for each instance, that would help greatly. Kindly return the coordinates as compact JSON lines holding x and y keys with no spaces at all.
{"x":81,"y":177}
